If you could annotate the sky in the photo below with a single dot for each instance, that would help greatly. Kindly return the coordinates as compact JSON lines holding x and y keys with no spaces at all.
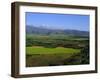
{"x":58,"y":21}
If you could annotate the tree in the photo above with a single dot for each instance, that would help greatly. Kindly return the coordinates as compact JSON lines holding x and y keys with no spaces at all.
{"x":85,"y":55}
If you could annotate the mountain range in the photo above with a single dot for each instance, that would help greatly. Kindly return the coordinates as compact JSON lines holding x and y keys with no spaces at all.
{"x":47,"y":31}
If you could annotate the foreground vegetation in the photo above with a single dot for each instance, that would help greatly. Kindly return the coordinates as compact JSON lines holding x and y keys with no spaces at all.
{"x":52,"y":50}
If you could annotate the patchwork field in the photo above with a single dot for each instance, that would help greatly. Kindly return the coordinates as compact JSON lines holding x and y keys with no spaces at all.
{"x":55,"y":47}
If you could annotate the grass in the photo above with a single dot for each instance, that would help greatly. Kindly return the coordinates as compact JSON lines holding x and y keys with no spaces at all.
{"x":58,"y":50}
{"x":52,"y":50}
{"x":40,"y":56}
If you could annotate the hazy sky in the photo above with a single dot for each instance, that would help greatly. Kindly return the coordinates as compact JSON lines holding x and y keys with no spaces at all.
{"x":58,"y":21}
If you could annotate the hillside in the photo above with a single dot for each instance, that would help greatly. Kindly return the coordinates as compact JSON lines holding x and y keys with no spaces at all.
{"x":47,"y":31}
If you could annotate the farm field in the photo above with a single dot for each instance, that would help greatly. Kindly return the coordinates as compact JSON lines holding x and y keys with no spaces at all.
{"x":58,"y":50}
{"x":52,"y":50}
{"x":49,"y":57}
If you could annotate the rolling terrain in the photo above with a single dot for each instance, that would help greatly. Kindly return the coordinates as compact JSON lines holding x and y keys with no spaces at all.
{"x":53,"y":47}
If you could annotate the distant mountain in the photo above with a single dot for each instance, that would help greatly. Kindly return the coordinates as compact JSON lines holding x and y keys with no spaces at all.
{"x":46,"y":31}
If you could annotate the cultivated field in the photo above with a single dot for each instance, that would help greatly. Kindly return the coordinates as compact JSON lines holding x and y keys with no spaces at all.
{"x":49,"y":56}
{"x":58,"y":50}
{"x":52,"y":50}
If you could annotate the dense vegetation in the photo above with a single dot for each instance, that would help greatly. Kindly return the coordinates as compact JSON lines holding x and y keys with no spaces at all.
{"x":53,"y":41}
{"x":46,"y":47}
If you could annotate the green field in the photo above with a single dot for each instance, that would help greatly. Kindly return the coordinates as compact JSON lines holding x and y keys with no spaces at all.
{"x":54,"y":50}
{"x":58,"y":50}
{"x":40,"y":56}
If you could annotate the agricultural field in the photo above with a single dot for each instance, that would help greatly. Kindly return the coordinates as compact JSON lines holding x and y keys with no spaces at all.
{"x":52,"y":50}
{"x":58,"y":50}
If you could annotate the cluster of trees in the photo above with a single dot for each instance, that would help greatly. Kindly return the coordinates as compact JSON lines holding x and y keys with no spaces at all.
{"x":81,"y":58}
{"x":53,"y":43}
